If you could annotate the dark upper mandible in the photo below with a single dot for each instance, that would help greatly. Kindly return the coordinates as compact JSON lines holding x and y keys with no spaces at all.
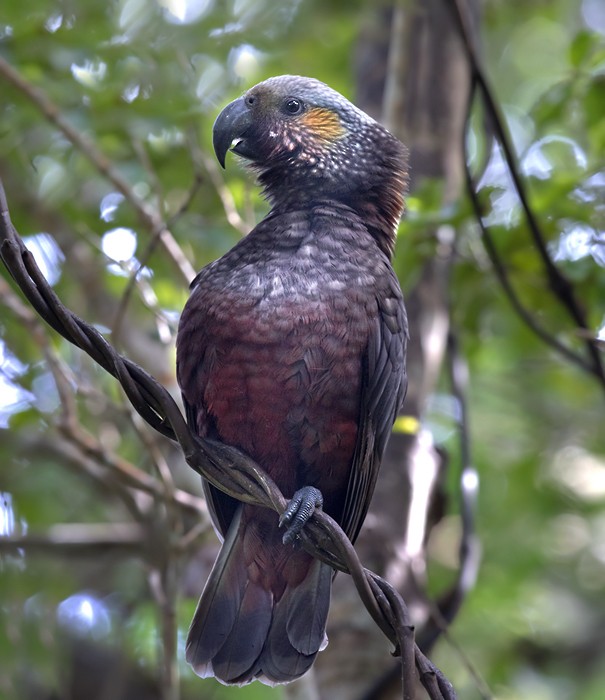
{"x":230,"y":129}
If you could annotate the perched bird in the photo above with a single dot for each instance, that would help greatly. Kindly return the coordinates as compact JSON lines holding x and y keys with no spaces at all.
{"x":292,"y":349}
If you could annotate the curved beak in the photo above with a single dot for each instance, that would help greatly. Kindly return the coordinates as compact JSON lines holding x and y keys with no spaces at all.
{"x":230,"y":129}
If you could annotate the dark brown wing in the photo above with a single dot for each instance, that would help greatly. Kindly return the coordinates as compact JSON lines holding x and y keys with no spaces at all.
{"x":221,"y":506}
{"x":195,"y":356}
{"x":384,"y":385}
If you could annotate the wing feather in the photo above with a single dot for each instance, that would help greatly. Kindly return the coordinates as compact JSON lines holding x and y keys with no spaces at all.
{"x":384,"y":383}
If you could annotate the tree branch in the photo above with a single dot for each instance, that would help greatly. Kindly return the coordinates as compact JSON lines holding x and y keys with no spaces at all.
{"x":223,"y":466}
{"x":79,"y":539}
{"x":144,"y":259}
{"x":149,"y":216}
{"x":560,"y":285}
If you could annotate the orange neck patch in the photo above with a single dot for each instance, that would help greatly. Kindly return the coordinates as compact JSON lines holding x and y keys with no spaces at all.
{"x":323,"y":123}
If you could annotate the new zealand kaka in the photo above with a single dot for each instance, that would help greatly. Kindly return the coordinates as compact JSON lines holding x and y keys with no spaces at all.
{"x":292,"y":349}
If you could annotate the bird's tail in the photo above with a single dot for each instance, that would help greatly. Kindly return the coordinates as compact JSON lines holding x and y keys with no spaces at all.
{"x":242,"y":631}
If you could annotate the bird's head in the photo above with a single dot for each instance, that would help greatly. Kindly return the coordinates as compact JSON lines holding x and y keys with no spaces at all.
{"x":309,"y":143}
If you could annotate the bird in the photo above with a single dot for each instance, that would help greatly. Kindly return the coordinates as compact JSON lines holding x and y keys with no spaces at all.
{"x":291,"y":348}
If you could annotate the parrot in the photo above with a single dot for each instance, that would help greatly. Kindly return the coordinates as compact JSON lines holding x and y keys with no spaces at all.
{"x":291,"y":348}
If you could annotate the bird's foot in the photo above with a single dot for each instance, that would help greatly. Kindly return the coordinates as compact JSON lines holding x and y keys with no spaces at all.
{"x":299,"y":510}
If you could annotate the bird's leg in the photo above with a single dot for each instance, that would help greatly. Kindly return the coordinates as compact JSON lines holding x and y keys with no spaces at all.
{"x":299,"y":510}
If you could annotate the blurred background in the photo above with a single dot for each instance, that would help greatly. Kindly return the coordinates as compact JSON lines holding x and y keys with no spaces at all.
{"x":489,"y":515}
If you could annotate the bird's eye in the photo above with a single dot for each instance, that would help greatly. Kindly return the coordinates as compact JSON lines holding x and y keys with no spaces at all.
{"x":293,"y":106}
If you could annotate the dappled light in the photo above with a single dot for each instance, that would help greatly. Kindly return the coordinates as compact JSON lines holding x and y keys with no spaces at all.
{"x":47,"y":255}
{"x":84,"y":615}
{"x":119,"y":244}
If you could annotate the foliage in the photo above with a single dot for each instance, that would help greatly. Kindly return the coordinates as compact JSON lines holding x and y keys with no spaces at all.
{"x":143,"y":83}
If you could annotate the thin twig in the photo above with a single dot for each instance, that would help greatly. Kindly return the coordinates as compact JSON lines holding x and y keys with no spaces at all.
{"x":405,"y":634}
{"x":201,"y":159}
{"x":79,"y":539}
{"x":152,"y":177}
{"x":502,"y":275}
{"x":159,"y":461}
{"x":469,"y":552}
{"x":499,"y":267}
{"x":145,"y":256}
{"x":31,"y":322}
{"x":128,"y":474}
{"x":393,"y":95}
{"x":560,"y":285}
{"x":83,"y":539}
{"x":149,"y":216}
{"x":163,"y":583}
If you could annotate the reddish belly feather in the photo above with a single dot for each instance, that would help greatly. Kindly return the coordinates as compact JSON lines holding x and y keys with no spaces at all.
{"x":293,"y":409}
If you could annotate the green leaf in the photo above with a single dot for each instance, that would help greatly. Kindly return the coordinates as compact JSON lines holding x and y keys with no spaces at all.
{"x":581,"y":47}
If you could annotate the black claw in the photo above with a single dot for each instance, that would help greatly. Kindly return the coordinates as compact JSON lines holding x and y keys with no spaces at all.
{"x":299,"y":510}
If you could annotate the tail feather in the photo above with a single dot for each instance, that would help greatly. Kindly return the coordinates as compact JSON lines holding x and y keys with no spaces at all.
{"x":219,"y":604}
{"x":242,"y":632}
{"x":281,"y":663}
{"x":308,"y":606}
{"x":244,"y":644}
{"x":298,"y":628}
